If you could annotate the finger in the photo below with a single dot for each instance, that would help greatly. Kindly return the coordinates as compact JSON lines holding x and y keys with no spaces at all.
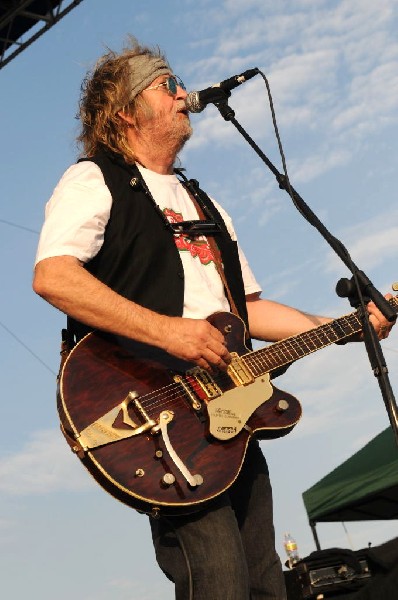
{"x":214,"y":360}
{"x":224,"y":353}
{"x":377,"y":314}
{"x":203,"y":364}
{"x":212,"y":365}
{"x":384,"y":332}
{"x":379,"y":322}
{"x":220,"y":350}
{"x":217,"y":338}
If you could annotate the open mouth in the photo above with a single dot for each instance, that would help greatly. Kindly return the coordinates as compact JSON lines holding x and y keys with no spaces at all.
{"x":182,"y":109}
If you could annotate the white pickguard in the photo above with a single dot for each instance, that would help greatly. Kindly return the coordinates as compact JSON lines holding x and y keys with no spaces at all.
{"x":229,"y":413}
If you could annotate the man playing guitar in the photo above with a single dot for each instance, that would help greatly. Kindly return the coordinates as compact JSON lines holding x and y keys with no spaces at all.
{"x":118,"y":254}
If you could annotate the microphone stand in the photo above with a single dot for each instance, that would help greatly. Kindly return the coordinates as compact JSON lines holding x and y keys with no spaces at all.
{"x":359,"y":289}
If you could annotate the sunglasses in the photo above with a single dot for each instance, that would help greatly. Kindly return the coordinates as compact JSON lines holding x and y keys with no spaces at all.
{"x":171,"y":84}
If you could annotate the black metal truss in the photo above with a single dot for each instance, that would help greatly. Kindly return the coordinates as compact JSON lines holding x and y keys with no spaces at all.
{"x":23,"y":21}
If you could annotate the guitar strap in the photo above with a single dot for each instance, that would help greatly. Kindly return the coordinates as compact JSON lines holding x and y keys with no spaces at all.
{"x":217,"y":260}
{"x":213,"y":246}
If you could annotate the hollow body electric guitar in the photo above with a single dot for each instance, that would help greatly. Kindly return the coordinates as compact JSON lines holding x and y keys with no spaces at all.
{"x":164,"y":436}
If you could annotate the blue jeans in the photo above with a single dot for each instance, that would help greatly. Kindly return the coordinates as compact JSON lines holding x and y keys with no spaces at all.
{"x":226,"y":552}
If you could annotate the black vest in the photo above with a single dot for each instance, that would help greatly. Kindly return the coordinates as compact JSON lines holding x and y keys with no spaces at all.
{"x":139,"y":258}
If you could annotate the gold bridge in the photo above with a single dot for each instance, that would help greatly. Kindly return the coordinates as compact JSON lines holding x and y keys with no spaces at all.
{"x":103,"y":431}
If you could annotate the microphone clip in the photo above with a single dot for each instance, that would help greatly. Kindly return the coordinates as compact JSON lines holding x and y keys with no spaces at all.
{"x":214,"y":95}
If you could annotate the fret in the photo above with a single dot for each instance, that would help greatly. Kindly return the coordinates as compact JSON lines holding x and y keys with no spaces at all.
{"x":295,"y":348}
{"x":256,"y":365}
{"x":290,"y":350}
{"x":282,"y":353}
{"x":309,"y":344}
{"x":322,"y":337}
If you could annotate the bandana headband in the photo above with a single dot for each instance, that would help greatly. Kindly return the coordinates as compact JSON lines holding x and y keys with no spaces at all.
{"x":144,"y":69}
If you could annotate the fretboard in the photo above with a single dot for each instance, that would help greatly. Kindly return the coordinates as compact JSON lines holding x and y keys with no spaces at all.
{"x":282,"y":353}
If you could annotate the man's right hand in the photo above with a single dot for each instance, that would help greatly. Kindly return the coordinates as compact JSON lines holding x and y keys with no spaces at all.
{"x":197,"y":341}
{"x":65,"y":283}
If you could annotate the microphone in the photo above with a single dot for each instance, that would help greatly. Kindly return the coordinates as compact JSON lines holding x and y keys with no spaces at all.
{"x":195,"y":102}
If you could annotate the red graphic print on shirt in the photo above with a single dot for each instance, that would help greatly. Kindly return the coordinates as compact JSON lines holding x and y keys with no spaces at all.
{"x":197,"y":247}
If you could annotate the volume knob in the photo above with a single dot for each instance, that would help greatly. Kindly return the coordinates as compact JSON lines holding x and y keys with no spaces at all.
{"x":282,"y":406}
{"x":168,"y":479}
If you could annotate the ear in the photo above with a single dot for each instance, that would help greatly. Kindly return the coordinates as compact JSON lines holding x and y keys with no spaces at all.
{"x":128,"y":119}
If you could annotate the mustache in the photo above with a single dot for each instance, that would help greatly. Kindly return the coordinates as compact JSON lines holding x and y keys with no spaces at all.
{"x":181,"y":106}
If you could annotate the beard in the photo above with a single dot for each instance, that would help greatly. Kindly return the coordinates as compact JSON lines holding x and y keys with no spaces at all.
{"x":165,"y":132}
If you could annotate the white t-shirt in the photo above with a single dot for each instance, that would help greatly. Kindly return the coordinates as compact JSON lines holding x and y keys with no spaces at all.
{"x":78,"y":211}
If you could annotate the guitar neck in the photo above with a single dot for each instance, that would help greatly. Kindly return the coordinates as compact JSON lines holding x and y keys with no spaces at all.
{"x":291,"y":349}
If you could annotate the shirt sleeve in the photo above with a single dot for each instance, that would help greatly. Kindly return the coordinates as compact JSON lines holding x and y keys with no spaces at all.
{"x":76,"y":214}
{"x":249,"y":281}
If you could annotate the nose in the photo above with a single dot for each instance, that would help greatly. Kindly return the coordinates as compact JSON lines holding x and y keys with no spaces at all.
{"x":181,"y":93}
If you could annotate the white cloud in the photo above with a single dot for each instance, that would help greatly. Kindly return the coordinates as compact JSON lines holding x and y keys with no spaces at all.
{"x":377,"y":248}
{"x":282,"y":284}
{"x":333,"y":73}
{"x":331,"y":385}
{"x":323,"y":161}
{"x":43,"y":465}
{"x":373,"y":101}
{"x":372,"y":242}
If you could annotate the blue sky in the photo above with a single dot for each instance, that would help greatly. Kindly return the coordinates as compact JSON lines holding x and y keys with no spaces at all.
{"x":333,"y":72}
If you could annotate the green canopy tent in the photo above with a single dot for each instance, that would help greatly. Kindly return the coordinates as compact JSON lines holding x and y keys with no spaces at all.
{"x":363,"y":488}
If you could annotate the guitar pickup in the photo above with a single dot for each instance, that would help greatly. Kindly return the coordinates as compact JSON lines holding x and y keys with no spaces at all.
{"x":238,"y":371}
{"x":205,"y":382}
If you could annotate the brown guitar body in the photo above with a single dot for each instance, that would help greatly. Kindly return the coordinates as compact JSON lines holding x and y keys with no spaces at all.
{"x":99,"y":374}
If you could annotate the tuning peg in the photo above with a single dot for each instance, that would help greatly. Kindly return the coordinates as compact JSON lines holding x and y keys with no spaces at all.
{"x":395,"y":286}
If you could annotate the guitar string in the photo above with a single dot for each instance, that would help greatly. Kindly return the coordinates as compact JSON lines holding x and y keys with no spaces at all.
{"x":288,"y":349}
{"x":162,"y":397}
{"x":277,"y":357}
{"x":295,"y":344}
